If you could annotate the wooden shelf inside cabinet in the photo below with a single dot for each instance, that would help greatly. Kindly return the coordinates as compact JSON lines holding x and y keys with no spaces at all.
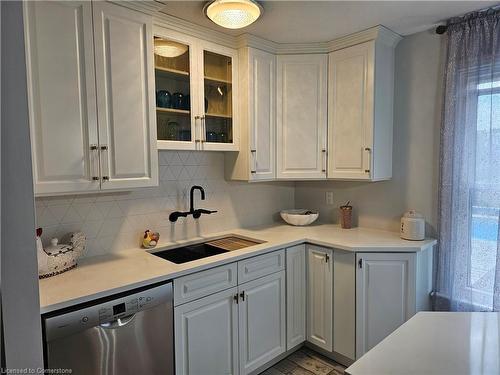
{"x":218,"y":115}
{"x":213,"y":80}
{"x":171,"y":72}
{"x":172,"y":110}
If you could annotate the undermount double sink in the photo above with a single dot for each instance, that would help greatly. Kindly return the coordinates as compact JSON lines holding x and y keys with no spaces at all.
{"x":206,"y":249}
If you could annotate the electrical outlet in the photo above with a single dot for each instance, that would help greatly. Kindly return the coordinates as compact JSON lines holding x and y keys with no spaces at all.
{"x":329,"y":197}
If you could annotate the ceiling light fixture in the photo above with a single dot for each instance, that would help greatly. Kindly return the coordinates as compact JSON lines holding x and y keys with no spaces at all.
{"x":233,"y":14}
{"x":167,"y":48}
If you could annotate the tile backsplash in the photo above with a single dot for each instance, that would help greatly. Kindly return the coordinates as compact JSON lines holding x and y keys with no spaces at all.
{"x":115,"y":221}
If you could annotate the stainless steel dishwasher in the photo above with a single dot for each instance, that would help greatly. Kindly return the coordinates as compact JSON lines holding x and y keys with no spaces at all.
{"x":128,"y":334}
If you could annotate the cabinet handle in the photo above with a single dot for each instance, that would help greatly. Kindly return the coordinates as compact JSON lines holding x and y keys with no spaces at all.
{"x":367,"y":156}
{"x":360,"y":263}
{"x":196,"y":118}
{"x":105,"y":177}
{"x":254,"y":161}
{"x":242,"y":295}
{"x":323,"y":151}
{"x":203,"y":129}
{"x":235,"y":297}
{"x":327,"y":258}
{"x":93,"y":158}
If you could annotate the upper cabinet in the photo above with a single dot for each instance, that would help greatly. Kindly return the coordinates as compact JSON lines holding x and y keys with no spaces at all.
{"x":301,"y":116}
{"x":73,"y":56}
{"x":196,"y":91}
{"x":256,"y":160}
{"x":125,"y":101}
{"x":360,"y":110}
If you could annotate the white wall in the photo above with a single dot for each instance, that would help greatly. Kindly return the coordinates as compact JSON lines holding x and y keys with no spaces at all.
{"x":115,"y":221}
{"x":417,"y":111}
{"x":20,"y":302}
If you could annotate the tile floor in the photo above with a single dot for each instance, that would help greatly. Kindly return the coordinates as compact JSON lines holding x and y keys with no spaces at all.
{"x":305,"y":362}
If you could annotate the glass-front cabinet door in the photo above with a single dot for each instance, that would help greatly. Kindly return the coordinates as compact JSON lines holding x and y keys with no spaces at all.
{"x":196,"y":87}
{"x":219,"y":99}
{"x":175,"y":103}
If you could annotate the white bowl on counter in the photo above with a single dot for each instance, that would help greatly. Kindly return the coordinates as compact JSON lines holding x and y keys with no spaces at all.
{"x":299,"y":217}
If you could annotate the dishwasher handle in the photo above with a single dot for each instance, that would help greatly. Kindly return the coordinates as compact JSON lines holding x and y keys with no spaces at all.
{"x":117,"y":323}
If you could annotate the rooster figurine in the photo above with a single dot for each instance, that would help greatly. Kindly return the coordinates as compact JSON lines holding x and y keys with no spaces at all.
{"x":57,"y":258}
{"x":150,"y":239}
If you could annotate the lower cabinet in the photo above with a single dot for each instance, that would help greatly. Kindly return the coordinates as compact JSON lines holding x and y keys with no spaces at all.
{"x":342,"y":302}
{"x":234,"y":331}
{"x":261,"y":321}
{"x":206,"y":335}
{"x":385,"y":296}
{"x":320,"y":297}
{"x":296,"y":292}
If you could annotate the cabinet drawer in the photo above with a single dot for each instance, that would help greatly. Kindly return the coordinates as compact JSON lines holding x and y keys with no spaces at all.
{"x":201,"y":284}
{"x":262,"y":265}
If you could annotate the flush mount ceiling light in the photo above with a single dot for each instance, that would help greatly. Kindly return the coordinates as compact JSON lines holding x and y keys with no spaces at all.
{"x":233,"y":14}
{"x":167,"y":48}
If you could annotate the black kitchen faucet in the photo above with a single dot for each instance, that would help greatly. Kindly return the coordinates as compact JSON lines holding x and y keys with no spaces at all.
{"x":196,"y":213}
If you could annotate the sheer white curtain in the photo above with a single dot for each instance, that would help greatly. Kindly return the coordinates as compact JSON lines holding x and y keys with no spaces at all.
{"x":468,"y":267}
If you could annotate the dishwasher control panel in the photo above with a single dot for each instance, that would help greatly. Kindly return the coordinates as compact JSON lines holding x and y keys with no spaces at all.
{"x":94,"y":316}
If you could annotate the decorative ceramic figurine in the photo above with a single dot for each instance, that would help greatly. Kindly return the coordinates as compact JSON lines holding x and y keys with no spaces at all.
{"x":150,"y":239}
{"x":56,"y":258}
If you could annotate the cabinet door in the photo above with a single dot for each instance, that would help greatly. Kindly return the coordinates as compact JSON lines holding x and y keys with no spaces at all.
{"x":218,"y":109}
{"x":385,"y":296}
{"x":206,"y":335}
{"x":125,"y":97}
{"x":261,"y":321}
{"x":319,"y":297}
{"x":295,"y":296}
{"x":175,"y":58}
{"x":350,"y":128}
{"x":301,"y":116}
{"x":261,"y":114}
{"x":61,"y":93}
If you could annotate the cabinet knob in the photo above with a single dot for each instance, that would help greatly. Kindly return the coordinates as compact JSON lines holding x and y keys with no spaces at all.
{"x":327,"y":258}
{"x":242,"y":295}
{"x":235,"y":297}
{"x":360,"y":263}
{"x":105,"y":178}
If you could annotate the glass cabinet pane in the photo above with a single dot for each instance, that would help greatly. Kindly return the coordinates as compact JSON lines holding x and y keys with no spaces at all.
{"x":172,"y":77}
{"x":218,"y":97}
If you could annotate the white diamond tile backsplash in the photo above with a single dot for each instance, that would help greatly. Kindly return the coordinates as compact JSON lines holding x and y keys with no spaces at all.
{"x":115,"y":221}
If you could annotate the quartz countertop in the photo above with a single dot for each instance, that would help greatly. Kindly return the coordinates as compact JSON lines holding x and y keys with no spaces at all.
{"x":437,"y":343}
{"x":101,"y":276}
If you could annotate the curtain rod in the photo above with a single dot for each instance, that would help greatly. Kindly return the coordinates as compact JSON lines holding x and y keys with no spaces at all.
{"x":441,"y":29}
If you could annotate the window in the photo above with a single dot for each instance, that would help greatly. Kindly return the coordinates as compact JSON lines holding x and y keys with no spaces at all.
{"x":485,"y":194}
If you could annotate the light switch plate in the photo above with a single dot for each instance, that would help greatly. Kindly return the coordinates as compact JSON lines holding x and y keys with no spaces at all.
{"x":329,"y":197}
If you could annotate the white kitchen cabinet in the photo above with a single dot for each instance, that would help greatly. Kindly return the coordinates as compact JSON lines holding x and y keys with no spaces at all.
{"x":295,"y":296}
{"x":360,"y":110}
{"x":125,"y":82}
{"x":385,"y":296}
{"x":197,"y":94}
{"x":301,"y":116}
{"x":320,"y":297}
{"x":206,"y":335}
{"x":344,"y":305}
{"x":261,"y":321}
{"x":76,"y":51}
{"x":61,"y":94}
{"x":256,"y":160}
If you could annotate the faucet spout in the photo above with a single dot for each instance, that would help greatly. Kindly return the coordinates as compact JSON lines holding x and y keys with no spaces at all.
{"x":191,"y":196}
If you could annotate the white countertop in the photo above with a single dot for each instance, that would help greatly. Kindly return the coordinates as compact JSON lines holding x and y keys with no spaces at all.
{"x":437,"y":343}
{"x":101,"y":276}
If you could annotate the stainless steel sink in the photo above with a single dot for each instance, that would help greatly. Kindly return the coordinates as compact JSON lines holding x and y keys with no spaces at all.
{"x":206,"y":249}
